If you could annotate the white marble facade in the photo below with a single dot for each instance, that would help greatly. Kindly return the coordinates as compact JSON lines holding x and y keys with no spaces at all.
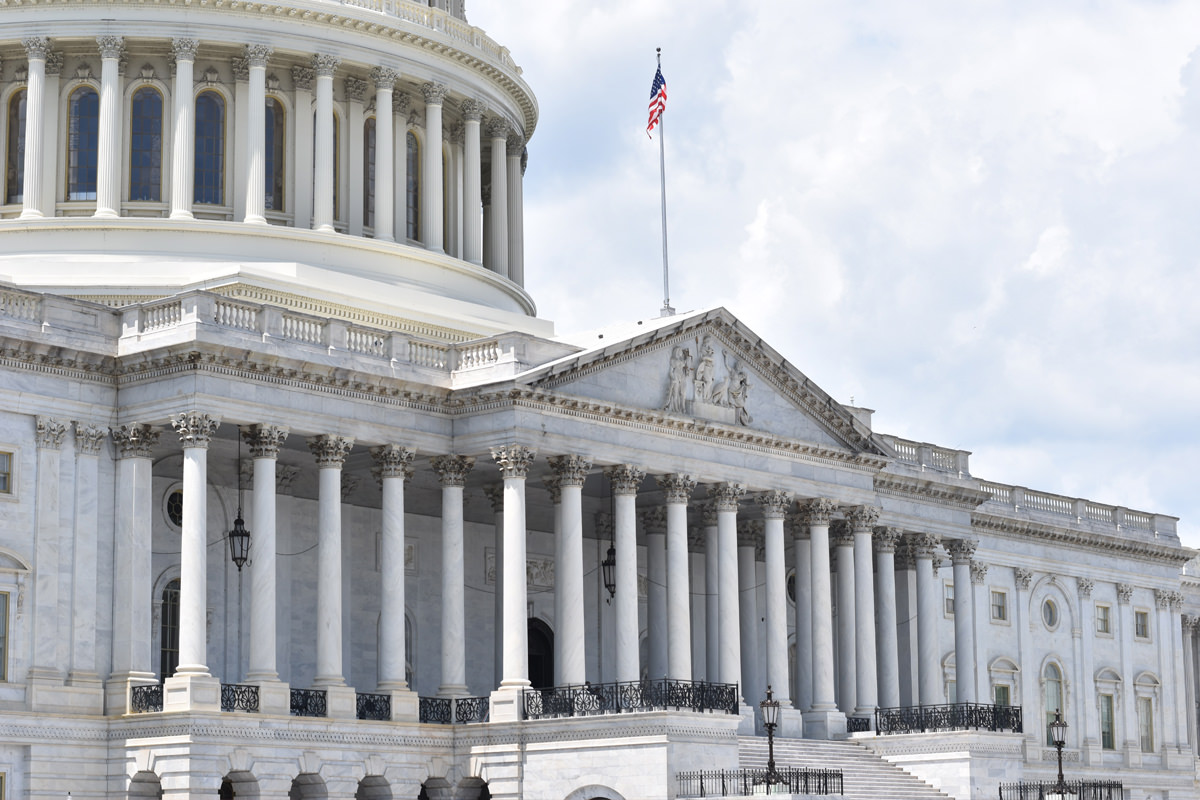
{"x":432,"y":479}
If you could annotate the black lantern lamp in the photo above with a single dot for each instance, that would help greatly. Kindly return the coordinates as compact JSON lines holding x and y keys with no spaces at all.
{"x":609,"y":567}
{"x":1058,"y":735}
{"x":770,"y":717}
{"x":239,"y":537}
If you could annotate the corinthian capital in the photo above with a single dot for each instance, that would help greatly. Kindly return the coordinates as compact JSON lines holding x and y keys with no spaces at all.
{"x":356,"y":88}
{"x":50,"y":432}
{"x":571,"y":470}
{"x":676,"y":487}
{"x":302,"y":77}
{"x":134,"y":440}
{"x":497,"y":128}
{"x":841,"y":533}
{"x":924,"y":545}
{"x":817,"y":511}
{"x":110,"y":46}
{"x":515,"y":143}
{"x":961,"y":550}
{"x":264,"y":441}
{"x":625,"y":478}
{"x":393,"y":460}
{"x":258,"y":54}
{"x":88,"y":438}
{"x":726,"y":496}
{"x":514,"y":460}
{"x":184,"y":49}
{"x":36,"y":47}
{"x":383,"y":77}
{"x":862,"y":519}
{"x":885,"y":539}
{"x":330,"y":450}
{"x":775,"y":504}
{"x":472,"y":110}
{"x":435,"y":93}
{"x":452,"y":470}
{"x":195,"y":428}
{"x":325,"y":65}
{"x":654,"y":520}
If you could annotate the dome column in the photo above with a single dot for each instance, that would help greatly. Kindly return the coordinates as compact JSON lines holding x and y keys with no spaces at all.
{"x":302,"y":184}
{"x":108,"y":165}
{"x":472,"y":112}
{"x":384,"y":79}
{"x":431,"y":177}
{"x":497,"y":131}
{"x":393,"y":466}
{"x":37,"y":49}
{"x":183,"y":130}
{"x":516,"y":222}
{"x":324,"y":66}
{"x":256,"y":134}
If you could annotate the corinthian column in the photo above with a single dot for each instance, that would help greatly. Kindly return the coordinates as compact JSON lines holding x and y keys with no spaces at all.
{"x":384,"y":79}
{"x":88,"y":441}
{"x":264,"y":442}
{"x":802,"y":559}
{"x":516,"y":222}
{"x":625,"y":481}
{"x":497,"y":131}
{"x":712,"y":593}
{"x":961,"y":551}
{"x":928,"y":672}
{"x":774,"y":507}
{"x":108,"y":143}
{"x":654,"y":524}
{"x":677,"y":489}
{"x":47,"y":658}
{"x":570,"y":660}
{"x":256,"y":135}
{"x":514,"y":461}
{"x":823,"y":720}
{"x":330,"y":452}
{"x":37,"y":49}
{"x":452,"y":472}
{"x":749,"y":541}
{"x":183,"y":130}
{"x":885,"y":616}
{"x":862,"y":521}
{"x":847,"y":666}
{"x":431,"y":175}
{"x":472,"y":112}
{"x":324,"y":66}
{"x":725,"y":497}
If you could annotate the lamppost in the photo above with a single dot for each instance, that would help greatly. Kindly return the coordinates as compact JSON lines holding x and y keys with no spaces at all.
{"x":1058,"y":735}
{"x":608,"y":567}
{"x":770,"y":716}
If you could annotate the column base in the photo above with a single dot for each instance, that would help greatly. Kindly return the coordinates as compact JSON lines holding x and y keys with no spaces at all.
{"x":182,"y":215}
{"x":192,"y":693}
{"x":791,"y":724}
{"x":341,"y":702}
{"x":820,"y":724}
{"x":31,"y":213}
{"x":116,"y":690}
{"x":506,"y":704}
{"x":106,"y":213}
{"x":274,"y":697}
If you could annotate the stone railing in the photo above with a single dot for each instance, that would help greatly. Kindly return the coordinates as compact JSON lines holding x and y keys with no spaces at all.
{"x":1076,"y":510}
{"x":25,"y":306}
{"x":928,"y":457}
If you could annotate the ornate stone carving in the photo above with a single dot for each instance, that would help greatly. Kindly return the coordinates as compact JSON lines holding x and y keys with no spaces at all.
{"x":457,"y":133}
{"x":36,"y":47}
{"x":978,"y":572}
{"x":677,"y":376}
{"x":1084,"y":586}
{"x":257,"y":55}
{"x":515,"y":144}
{"x":285,"y":476}
{"x":796,"y":527}
{"x":774,"y":504}
{"x":1023,"y":577}
{"x":554,"y":486}
{"x":708,"y":514}
{"x":625,"y":478}
{"x":884,"y":538}
{"x":816,"y":511}
{"x":472,"y":110}
{"x":936,"y":563}
{"x":49,"y":433}
{"x":241,"y":68}
{"x":349,"y":484}
{"x":302,"y":78}
{"x":325,"y":65}
{"x":147,"y":72}
{"x":862,"y":519}
{"x":711,"y":394}
{"x":961,"y":550}
{"x":211,"y":77}
{"x":195,"y":428}
{"x":184,"y":49}
{"x":383,"y":77}
{"x":604,"y":525}
{"x":1162,"y":598}
{"x":393,"y":460}
{"x":329,"y":450}
{"x":696,"y":540}
{"x":571,"y":470}
{"x":356,"y":88}
{"x":905,"y":558}
{"x":135,"y":440}
{"x":1124,"y":592}
{"x":496,"y":128}
{"x":1177,"y":599}
{"x":401,"y":103}
{"x":264,"y":441}
{"x":89,"y":438}
{"x":54,"y":63}
{"x":654,"y":520}
{"x":677,"y":487}
{"x":514,"y":460}
{"x":840,"y":533}
{"x":924,"y":544}
{"x":725,"y":496}
{"x":434,"y":93}
{"x":272,"y":82}
{"x":749,"y":533}
{"x":495,"y":496}
{"x":452,"y":470}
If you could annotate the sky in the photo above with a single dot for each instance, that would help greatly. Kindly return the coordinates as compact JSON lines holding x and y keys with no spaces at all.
{"x":979,"y":219}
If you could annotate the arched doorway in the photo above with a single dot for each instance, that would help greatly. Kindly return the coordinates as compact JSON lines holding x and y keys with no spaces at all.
{"x":541,"y":654}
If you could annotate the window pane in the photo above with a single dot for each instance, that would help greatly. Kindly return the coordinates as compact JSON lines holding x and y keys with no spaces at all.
{"x":3,"y":636}
{"x":210,"y":149}
{"x":369,"y":173}
{"x":169,"y":655}
{"x":145,"y":146}
{"x":1145,"y":713}
{"x":949,"y":593}
{"x":1141,"y":624}
{"x":275,"y":154}
{"x":14,"y":172}
{"x":1000,"y":694}
{"x":1052,"y":700}
{"x":5,"y":473}
{"x":1107,"y":734}
{"x":999,"y":606}
{"x":83,"y":134}
{"x":411,"y":190}
{"x":1103,"y":620}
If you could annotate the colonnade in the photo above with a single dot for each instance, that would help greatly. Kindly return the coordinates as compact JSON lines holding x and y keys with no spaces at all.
{"x":454,"y":216}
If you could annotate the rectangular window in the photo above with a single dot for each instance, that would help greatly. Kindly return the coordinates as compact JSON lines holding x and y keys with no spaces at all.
{"x":1103,"y":619}
{"x":1000,"y":694}
{"x":949,"y":594}
{"x":1141,"y":624}
{"x":999,"y":606}
{"x":1145,"y":715}
{"x":6,"y":468}
{"x":1108,"y":739}
{"x":3,"y":640}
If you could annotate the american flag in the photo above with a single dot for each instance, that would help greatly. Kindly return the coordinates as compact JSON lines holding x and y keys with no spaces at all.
{"x":658,"y":99}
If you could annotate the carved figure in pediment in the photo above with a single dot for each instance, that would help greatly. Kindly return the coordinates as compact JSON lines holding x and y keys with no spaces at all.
{"x":705,"y":368}
{"x":738,"y":391}
{"x":681,"y":359}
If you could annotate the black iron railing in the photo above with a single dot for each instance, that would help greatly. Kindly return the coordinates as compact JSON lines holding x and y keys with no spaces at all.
{"x":622,"y":698}
{"x":309,"y":703}
{"x":789,"y":780}
{"x":455,"y":710}
{"x":147,"y":697}
{"x":954,"y":717}
{"x":1077,"y":790}
{"x":437,"y":710}
{"x":858,"y":724}
{"x":373,"y":706}
{"x":239,"y":697}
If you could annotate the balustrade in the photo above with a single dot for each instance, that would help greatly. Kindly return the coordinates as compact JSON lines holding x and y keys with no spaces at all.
{"x":148,"y":697}
{"x":628,"y":697}
{"x":373,"y":706}
{"x":239,"y":697}
{"x":19,"y":305}
{"x":309,"y":703}
{"x":953,"y":717}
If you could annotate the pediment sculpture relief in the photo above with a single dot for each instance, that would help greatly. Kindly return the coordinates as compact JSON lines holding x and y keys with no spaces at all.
{"x":716,"y":397}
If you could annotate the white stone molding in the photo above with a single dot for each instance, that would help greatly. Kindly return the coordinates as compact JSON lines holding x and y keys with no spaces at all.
{"x":195,"y":428}
{"x":135,"y":440}
{"x":514,"y":460}
{"x":49,"y":433}
{"x":571,"y":470}
{"x":452,"y":470}
{"x":1124,"y":593}
{"x":330,"y":451}
{"x":626,"y":479}
{"x":979,"y":571}
{"x":89,"y":438}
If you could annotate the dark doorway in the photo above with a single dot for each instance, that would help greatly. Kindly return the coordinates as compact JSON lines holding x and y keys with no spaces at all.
{"x":541,"y":654}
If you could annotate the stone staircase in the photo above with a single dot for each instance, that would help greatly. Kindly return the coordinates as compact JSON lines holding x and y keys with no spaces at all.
{"x":864,"y":774}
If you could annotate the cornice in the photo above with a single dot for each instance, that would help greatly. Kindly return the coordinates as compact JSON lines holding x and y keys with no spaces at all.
{"x":1129,"y":548}
{"x":80,"y":366}
{"x":927,"y":491}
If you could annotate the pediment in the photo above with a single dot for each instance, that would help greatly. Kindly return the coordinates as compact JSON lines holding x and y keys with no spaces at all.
{"x":707,"y":367}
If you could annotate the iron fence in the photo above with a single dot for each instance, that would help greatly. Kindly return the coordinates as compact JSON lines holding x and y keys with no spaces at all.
{"x":455,"y":710}
{"x":632,"y":696}
{"x":373,"y":706}
{"x":239,"y":697}
{"x":309,"y":703}
{"x":858,"y":724}
{"x":147,"y":697}
{"x":954,"y":717}
{"x":437,"y":710}
{"x":789,"y":780}
{"x":472,"y":709}
{"x":1077,"y":790}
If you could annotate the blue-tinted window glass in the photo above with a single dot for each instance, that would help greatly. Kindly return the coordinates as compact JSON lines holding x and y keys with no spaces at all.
{"x":83,"y":135}
{"x":145,"y":146}
{"x":274,"y":154}
{"x":14,"y":171}
{"x":210,"y":149}
{"x":369,"y":173}
{"x":412,"y":190}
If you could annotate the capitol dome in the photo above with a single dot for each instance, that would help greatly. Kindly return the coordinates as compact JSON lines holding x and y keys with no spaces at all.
{"x":242,"y":148}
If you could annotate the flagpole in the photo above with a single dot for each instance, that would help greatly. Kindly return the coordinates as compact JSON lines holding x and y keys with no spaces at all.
{"x":667,"y":311}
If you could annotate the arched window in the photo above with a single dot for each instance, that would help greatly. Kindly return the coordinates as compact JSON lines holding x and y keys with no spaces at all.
{"x":369,"y":173}
{"x":210,"y":149}
{"x":1052,"y":696}
{"x":169,"y":653}
{"x":145,"y":145}
{"x":83,"y":132}
{"x":276,"y":125}
{"x":14,"y":171}
{"x":411,"y":191}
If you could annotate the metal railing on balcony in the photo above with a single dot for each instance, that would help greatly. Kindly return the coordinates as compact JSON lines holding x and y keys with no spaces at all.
{"x":591,"y":699}
{"x":953,"y":717}
{"x":1075,"y":790}
{"x":239,"y":697}
{"x":373,"y":706}
{"x":309,"y":703}
{"x":454,"y":710}
{"x":788,"y":781}
{"x":145,"y":698}
{"x":858,"y":724}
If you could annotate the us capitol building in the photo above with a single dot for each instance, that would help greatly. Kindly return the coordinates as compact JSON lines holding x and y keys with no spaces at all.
{"x":299,"y":498}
